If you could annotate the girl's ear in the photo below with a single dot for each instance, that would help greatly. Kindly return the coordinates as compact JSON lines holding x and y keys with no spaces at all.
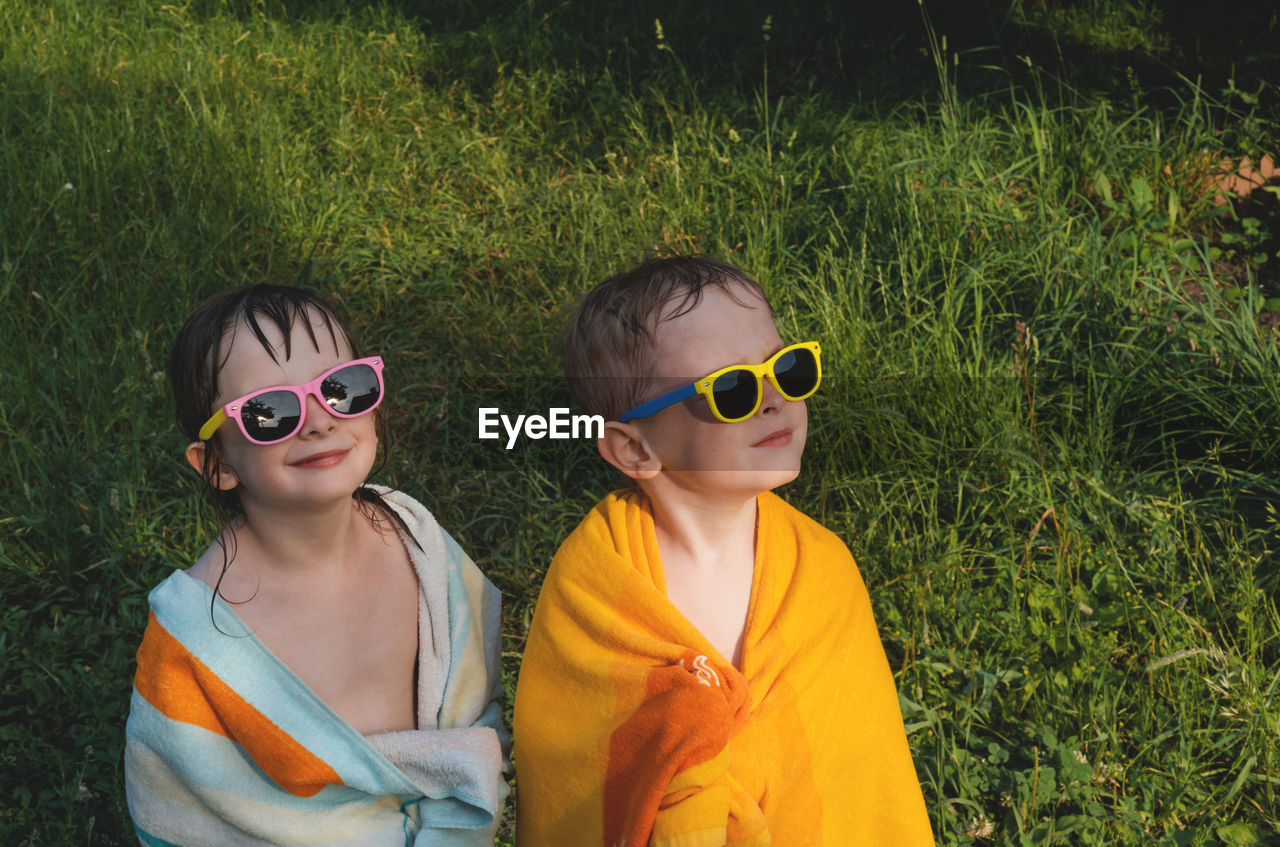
{"x":222,"y":477}
{"x":623,"y":446}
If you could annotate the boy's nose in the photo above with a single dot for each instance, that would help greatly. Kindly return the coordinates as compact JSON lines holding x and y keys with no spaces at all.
{"x":770,"y":400}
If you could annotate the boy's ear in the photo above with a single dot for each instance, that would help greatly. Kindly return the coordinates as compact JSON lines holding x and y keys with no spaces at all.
{"x":623,"y":446}
{"x":223,"y":476}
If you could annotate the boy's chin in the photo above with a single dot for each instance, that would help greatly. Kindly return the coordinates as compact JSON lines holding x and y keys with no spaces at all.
{"x":743,"y":482}
{"x":778,"y":478}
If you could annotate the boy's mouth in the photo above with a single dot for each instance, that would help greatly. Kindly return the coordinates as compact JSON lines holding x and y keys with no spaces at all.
{"x":777,"y":438}
{"x":326,"y":459}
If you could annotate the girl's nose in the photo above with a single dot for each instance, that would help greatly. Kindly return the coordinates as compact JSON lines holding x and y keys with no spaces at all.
{"x":319,"y":420}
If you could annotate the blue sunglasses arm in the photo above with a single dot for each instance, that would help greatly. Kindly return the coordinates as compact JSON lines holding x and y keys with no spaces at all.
{"x":657,"y":404}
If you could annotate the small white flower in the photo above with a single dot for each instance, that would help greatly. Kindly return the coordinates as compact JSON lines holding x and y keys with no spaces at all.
{"x":980,"y":827}
{"x":68,"y":187}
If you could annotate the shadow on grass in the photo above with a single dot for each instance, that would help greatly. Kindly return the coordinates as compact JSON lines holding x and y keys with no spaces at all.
{"x":861,"y":52}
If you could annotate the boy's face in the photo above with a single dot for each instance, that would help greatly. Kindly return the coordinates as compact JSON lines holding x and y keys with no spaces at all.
{"x":695,"y":449}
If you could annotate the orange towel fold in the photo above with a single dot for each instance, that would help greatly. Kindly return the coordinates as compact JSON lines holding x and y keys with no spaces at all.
{"x":631,"y":729}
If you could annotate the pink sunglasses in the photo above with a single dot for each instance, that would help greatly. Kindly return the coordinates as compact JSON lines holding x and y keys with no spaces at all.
{"x":269,"y":415}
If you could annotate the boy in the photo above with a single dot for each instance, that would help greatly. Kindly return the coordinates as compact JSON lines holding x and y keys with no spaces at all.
{"x":702,"y":667}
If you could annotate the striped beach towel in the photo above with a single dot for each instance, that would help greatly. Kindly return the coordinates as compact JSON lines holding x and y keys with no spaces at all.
{"x":631,"y":729}
{"x":225,"y":745}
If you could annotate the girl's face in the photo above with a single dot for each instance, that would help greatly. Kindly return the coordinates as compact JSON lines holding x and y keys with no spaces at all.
{"x":327,"y":460}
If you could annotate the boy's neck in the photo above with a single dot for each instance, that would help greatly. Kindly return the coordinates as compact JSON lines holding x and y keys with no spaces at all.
{"x":707,"y":548}
{"x":702,"y":531}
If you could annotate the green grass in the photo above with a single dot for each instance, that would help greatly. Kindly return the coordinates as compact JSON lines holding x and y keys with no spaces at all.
{"x":1069,"y":529}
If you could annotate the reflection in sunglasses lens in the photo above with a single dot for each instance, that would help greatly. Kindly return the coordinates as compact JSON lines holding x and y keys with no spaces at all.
{"x":736,"y":393}
{"x":351,"y":390}
{"x":271,"y":416}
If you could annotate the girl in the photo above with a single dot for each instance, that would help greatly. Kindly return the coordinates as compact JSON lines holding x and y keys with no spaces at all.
{"x":328,"y":671}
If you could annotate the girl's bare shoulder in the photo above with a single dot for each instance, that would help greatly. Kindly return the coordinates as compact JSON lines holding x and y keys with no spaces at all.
{"x":208,"y":566}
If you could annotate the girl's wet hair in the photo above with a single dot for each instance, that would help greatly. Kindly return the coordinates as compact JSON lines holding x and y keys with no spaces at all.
{"x":202,"y":348}
{"x":204,"y":343}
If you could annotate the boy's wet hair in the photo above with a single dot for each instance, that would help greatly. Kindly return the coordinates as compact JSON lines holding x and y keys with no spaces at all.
{"x":609,"y":342}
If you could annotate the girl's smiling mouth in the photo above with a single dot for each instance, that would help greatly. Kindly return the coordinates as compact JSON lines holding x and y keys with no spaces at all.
{"x":326,"y":459}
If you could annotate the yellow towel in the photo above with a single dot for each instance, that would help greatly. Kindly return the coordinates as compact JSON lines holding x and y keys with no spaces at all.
{"x":631,"y":729}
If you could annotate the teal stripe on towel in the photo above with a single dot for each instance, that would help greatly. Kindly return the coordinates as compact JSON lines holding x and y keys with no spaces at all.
{"x":150,"y":840}
{"x":269,"y":685}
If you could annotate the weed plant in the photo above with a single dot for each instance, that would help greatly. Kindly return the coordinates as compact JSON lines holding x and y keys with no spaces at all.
{"x":1049,"y":431}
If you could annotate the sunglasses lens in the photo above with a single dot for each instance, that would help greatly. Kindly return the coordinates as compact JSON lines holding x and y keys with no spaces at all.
{"x":796,"y":372}
{"x":735,"y":394}
{"x":351,"y":391}
{"x":272,"y":416}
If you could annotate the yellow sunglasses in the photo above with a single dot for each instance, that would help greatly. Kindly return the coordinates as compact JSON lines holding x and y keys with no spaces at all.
{"x":736,"y":392}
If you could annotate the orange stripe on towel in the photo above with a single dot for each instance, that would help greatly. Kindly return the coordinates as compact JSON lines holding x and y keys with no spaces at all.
{"x":689,"y":713}
{"x":184,"y":689}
